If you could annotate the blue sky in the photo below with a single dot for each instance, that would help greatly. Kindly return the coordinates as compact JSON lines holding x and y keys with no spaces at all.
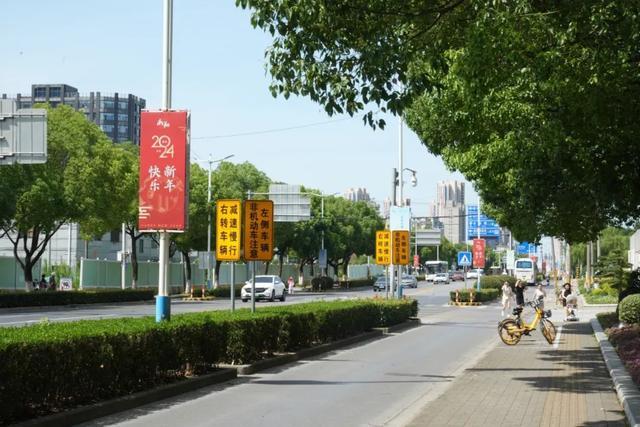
{"x":219,"y":75}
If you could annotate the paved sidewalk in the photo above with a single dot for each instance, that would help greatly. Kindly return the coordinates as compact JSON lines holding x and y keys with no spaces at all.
{"x":532,"y":384}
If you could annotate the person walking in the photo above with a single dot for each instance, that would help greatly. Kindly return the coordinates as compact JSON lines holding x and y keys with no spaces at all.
{"x":290,"y":283}
{"x":520,"y":286}
{"x":43,"y":284}
{"x":564,"y":296}
{"x":507,"y":296}
{"x":540,"y":295}
{"x":52,"y":282}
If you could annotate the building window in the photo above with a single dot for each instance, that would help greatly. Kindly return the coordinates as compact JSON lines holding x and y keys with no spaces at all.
{"x":154,"y":245}
{"x":122,"y":117}
{"x":40,"y":92}
{"x":123,"y":105}
{"x":107,"y":128}
{"x":122,"y":130}
{"x":115,"y":236}
{"x":107,"y":117}
{"x":141,"y":246}
{"x":107,"y":104}
{"x":55,"y":92}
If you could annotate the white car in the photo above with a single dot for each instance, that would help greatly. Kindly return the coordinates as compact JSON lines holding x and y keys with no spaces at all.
{"x":441,"y":278}
{"x":409,"y":281}
{"x":268,"y":287}
{"x":473,"y":274}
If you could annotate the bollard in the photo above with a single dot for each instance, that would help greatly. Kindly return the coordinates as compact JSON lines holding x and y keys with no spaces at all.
{"x":203,"y":288}
{"x":471,"y":297}
{"x":457,"y":297}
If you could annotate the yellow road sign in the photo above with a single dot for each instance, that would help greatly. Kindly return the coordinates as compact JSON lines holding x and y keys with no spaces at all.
{"x":383,"y":247}
{"x":400,"y":247}
{"x":228,"y":230}
{"x":258,"y":230}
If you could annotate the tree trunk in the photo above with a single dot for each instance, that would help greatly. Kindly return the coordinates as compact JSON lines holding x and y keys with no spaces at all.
{"x":131,"y":231}
{"x":216,"y":274}
{"x":187,"y":266}
{"x":301,"y":273}
{"x":266,"y":267}
{"x":280,"y":260}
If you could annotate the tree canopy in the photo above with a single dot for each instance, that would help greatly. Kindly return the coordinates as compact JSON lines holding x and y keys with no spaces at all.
{"x":536,"y":103}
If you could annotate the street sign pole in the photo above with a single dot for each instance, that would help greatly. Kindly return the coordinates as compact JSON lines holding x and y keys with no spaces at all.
{"x":233,"y":294}
{"x":478,"y":285}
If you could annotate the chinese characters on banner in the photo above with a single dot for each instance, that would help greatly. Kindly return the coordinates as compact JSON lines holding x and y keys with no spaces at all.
{"x":228,"y":225}
{"x":400,"y":247}
{"x":164,"y":179}
{"x":383,"y":247}
{"x":258,"y":230}
{"x":478,"y":253}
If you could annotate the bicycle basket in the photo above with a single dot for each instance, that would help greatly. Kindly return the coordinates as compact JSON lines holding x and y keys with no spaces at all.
{"x":517,"y":310}
{"x":547,"y":313}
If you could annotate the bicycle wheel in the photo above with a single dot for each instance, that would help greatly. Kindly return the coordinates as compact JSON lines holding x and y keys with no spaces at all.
{"x":548,"y":330}
{"x":508,"y":331}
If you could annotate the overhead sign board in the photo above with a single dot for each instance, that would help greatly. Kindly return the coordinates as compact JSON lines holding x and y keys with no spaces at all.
{"x":428,"y":237}
{"x":228,"y":230}
{"x":488,"y":226}
{"x":289,"y":203}
{"x":164,"y":178}
{"x":400,"y":241}
{"x":400,"y":218}
{"x":478,"y":253}
{"x":464,"y":259}
{"x":525,"y":248}
{"x":258,"y":230}
{"x":383,"y":247}
{"x":23,"y":134}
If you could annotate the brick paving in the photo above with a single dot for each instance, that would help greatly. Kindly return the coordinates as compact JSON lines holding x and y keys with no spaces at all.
{"x":532,"y":384}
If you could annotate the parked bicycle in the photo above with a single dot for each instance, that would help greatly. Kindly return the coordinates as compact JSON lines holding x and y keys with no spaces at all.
{"x":511,"y":330}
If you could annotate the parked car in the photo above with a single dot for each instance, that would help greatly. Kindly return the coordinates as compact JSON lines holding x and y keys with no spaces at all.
{"x":457,"y":275}
{"x":473,"y":274}
{"x":409,"y":281}
{"x":380,"y":284}
{"x":267,"y":287}
{"x":441,"y":278}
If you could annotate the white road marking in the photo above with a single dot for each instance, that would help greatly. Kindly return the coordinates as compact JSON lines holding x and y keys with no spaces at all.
{"x":557,"y":341}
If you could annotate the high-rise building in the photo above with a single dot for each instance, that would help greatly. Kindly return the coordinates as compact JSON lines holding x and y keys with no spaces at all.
{"x":449,"y":211}
{"x":357,"y":195}
{"x":118,"y":115}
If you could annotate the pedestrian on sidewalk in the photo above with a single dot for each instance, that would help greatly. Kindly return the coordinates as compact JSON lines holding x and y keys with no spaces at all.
{"x":507,"y":296}
{"x":540,"y":295}
{"x":564,"y":296}
{"x":290,"y":284}
{"x":520,"y":285}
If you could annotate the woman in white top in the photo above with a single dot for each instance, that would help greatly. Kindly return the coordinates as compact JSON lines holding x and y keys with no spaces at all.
{"x":540,"y":295}
{"x":507,"y":296}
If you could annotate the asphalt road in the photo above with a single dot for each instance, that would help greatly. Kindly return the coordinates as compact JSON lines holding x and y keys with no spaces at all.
{"x":381,"y":382}
{"x":30,"y":315}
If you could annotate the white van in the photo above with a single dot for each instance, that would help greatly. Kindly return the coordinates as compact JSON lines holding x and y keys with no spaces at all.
{"x":526,"y":270}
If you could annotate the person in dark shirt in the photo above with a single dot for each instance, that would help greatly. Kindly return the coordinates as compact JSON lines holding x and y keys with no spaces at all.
{"x":520,"y":286}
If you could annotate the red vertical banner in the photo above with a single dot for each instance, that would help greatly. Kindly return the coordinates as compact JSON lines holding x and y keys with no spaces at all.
{"x":478,"y":253}
{"x":164,"y":171}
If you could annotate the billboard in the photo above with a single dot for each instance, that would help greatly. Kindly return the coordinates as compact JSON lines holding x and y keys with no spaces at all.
{"x":489,"y":228}
{"x":164,"y":171}
{"x":478,"y":253}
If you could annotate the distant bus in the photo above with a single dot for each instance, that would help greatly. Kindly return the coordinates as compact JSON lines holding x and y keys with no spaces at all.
{"x":526,"y":270}
{"x":434,"y":267}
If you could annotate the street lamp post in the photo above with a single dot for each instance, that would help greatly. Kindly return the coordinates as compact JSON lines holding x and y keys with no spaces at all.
{"x":209,"y":272}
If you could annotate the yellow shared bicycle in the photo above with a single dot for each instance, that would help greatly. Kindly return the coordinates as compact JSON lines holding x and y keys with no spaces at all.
{"x":511,"y":330}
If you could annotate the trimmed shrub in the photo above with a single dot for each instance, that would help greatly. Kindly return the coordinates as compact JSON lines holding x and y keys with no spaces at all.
{"x":483,"y":295}
{"x":223,"y":291}
{"x":495,"y":282}
{"x":608,"y":320}
{"x":46,"y":298}
{"x":629,"y":309}
{"x":321,"y":283}
{"x":356,"y":283}
{"x":53,"y":366}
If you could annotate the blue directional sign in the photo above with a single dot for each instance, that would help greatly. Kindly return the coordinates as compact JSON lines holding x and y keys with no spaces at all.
{"x":488,"y":227}
{"x":464,"y":259}
{"x":524,"y":248}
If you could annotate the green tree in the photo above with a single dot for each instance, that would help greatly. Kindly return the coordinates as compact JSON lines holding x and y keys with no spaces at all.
{"x":536,"y":103}
{"x":37,"y":199}
{"x":195,"y":236}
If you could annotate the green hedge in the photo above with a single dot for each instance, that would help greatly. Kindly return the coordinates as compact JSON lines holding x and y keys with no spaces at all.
{"x":495,"y":282}
{"x":44,"y":298}
{"x":629,"y":309}
{"x":50,"y":367}
{"x":356,"y":283}
{"x":483,"y":295}
{"x":321,"y":283}
{"x":222,"y":291}
{"x":608,"y":320}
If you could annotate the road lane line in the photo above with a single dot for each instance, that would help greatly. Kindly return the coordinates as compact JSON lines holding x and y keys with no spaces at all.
{"x":557,"y":341}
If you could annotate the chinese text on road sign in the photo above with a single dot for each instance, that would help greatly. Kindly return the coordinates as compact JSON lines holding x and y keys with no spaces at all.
{"x":258,"y":230}
{"x":228,"y":224}
{"x":383,"y":247}
{"x":400,"y":247}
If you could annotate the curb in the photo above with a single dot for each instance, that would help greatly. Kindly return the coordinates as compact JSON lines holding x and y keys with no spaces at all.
{"x":627,"y":391}
{"x":322,"y":348}
{"x":119,"y":404}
